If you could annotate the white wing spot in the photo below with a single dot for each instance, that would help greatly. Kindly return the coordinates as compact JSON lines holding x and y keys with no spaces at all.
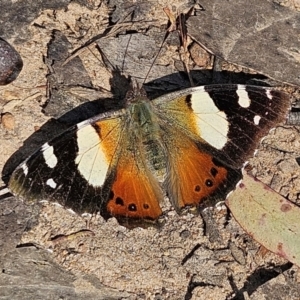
{"x":244,"y":100}
{"x":51,"y":183}
{"x":212,"y":123}
{"x":256,"y":119}
{"x":269,"y":95}
{"x":49,"y":156}
{"x":91,"y":160}
{"x":25,"y":169}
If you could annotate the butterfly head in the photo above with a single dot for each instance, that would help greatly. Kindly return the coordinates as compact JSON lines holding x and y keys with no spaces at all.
{"x":136,"y":94}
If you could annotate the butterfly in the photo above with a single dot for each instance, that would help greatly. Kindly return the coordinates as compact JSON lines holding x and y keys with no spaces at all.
{"x":189,"y":145}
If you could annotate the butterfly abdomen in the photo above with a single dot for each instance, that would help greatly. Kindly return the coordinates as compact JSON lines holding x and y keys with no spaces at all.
{"x":146,"y":140}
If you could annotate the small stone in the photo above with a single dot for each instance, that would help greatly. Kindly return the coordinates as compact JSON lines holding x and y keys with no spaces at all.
{"x":185,"y":234}
{"x":288,"y":166}
{"x":237,"y":253}
{"x":200,"y":56}
{"x":276,"y":182}
{"x":8,"y":121}
{"x":285,"y":190}
{"x":10,"y":63}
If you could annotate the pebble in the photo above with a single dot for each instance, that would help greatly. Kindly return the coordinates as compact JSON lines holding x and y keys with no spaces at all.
{"x":10,"y":63}
{"x":8,"y":121}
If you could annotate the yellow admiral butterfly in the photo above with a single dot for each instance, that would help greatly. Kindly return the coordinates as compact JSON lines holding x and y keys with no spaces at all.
{"x":189,"y":145}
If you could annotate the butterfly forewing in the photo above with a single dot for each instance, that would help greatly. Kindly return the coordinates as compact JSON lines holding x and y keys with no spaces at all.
{"x":75,"y":167}
{"x":225,"y":120}
{"x":251,"y":113}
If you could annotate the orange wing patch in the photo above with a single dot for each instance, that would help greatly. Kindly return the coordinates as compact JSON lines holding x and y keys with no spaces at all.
{"x":135,"y":193}
{"x":194,"y":176}
{"x":109,"y":133}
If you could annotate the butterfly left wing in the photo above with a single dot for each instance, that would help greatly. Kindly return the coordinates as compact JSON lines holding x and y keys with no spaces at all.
{"x":73,"y":168}
{"x":214,"y":130}
{"x":92,"y":167}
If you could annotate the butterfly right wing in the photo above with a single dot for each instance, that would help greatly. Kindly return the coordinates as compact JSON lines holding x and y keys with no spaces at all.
{"x":227,"y":120}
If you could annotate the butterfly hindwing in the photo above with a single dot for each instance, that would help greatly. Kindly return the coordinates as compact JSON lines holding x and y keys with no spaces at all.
{"x":135,"y":193}
{"x":195,"y":177}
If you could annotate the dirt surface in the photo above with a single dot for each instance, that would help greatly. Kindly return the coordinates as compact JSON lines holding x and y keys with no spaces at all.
{"x":47,"y":252}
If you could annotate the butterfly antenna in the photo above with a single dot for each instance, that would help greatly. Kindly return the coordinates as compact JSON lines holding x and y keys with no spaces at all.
{"x":109,"y":31}
{"x":157,"y":54}
{"x":125,"y":53}
{"x":175,"y":23}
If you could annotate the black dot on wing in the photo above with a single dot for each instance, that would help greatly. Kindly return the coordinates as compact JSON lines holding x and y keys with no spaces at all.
{"x":132,"y":207}
{"x":208,"y":182}
{"x":188,"y":101}
{"x":119,"y":201}
{"x":213,"y":171}
{"x":111,"y":195}
{"x":216,"y":162}
{"x":146,"y":206}
{"x":197,"y":188}
{"x":97,"y":128}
